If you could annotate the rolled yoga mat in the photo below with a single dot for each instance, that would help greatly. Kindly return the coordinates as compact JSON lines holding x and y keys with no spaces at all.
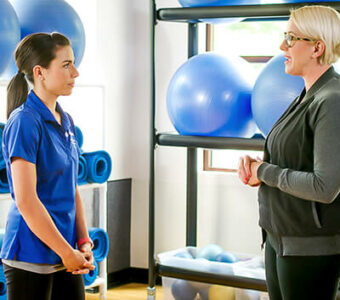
{"x":2,"y":127}
{"x":4,"y":186}
{"x":2,"y":233}
{"x":99,"y":166}
{"x":3,"y":288}
{"x":100,"y":241}
{"x":91,"y":276}
{"x":79,"y":137}
{"x":82,"y":170}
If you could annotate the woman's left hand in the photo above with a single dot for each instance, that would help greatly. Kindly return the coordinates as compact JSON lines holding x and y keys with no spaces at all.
{"x":86,"y":249}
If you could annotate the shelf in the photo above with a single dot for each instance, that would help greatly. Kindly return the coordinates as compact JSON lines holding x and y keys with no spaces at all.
{"x":244,"y":11}
{"x":212,"y":278}
{"x":99,"y":281}
{"x":209,"y":142}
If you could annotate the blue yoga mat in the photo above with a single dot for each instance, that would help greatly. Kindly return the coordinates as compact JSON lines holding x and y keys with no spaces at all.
{"x":99,"y":166}
{"x":2,"y":126}
{"x":79,"y":137}
{"x":2,"y":233}
{"x":82,"y":170}
{"x":91,"y":276}
{"x":101,"y":243}
{"x":3,"y":288}
{"x":4,"y":187}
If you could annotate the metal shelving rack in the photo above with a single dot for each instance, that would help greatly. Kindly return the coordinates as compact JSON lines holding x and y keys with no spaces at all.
{"x":264,"y":11}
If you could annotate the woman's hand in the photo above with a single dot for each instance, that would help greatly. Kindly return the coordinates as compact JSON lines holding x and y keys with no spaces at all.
{"x":86,"y":250}
{"x":76,"y":262}
{"x":247,"y":170}
{"x":253,"y":180}
{"x":244,"y":168}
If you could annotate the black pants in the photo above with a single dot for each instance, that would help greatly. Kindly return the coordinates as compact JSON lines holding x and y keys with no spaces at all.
{"x":24,"y":285}
{"x":301,"y":277}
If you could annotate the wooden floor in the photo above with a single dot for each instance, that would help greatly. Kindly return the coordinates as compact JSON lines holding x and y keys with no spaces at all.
{"x":131,"y":291}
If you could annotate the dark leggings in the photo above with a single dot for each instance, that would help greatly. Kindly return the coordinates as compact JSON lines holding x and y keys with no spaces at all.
{"x":301,"y":277}
{"x":25,"y":285}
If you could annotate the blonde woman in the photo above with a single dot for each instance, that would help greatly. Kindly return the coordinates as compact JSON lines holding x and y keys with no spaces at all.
{"x":299,"y":177}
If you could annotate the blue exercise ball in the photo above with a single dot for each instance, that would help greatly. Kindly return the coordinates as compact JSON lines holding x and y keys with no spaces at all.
{"x":9,"y":33}
{"x":209,"y":252}
{"x":200,"y":3}
{"x":227,"y":257}
{"x":273,"y":92}
{"x":183,"y":290}
{"x":209,"y":96}
{"x":48,"y":16}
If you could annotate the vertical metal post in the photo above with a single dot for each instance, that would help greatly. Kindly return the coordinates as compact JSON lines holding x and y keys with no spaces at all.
{"x":191,"y":233}
{"x":151,"y":290}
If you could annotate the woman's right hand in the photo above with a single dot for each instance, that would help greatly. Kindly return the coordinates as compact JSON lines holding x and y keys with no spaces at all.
{"x":76,"y":262}
{"x":244,"y":168}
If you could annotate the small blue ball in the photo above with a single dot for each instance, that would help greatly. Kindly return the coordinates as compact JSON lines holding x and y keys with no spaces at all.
{"x":227,"y":257}
{"x":182,"y":290}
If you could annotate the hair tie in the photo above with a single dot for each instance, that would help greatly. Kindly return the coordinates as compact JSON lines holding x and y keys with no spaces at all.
{"x":21,"y":73}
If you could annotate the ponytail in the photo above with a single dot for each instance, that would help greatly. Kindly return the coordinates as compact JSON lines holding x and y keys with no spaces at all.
{"x":17,"y":91}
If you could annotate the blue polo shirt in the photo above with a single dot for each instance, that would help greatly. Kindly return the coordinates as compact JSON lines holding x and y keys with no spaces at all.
{"x":33,"y":134}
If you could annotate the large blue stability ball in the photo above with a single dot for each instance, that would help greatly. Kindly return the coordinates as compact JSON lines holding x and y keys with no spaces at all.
{"x":209,"y":96}
{"x":9,"y":33}
{"x":273,"y":92}
{"x":48,"y":16}
{"x":183,"y":290}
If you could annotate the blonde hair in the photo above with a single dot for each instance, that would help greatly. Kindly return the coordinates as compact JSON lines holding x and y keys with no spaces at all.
{"x":320,"y":23}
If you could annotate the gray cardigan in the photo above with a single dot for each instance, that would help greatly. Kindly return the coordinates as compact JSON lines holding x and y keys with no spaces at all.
{"x":299,"y":196}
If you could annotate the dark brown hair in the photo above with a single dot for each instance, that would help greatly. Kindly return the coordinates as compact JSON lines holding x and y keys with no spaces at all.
{"x":35,"y":49}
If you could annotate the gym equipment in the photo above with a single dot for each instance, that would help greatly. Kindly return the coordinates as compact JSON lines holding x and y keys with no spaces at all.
{"x":82,"y":170}
{"x":9,"y":33}
{"x":100,"y":241}
{"x":209,"y":96}
{"x":227,"y":257}
{"x":273,"y":92}
{"x":182,"y":290}
{"x":79,"y":136}
{"x":49,"y":16}
{"x":209,"y":252}
{"x":99,"y":166}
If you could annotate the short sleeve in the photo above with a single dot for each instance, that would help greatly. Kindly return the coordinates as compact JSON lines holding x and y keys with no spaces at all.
{"x":22,"y":136}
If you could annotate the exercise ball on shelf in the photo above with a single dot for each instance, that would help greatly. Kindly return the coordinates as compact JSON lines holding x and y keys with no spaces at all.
{"x":9,"y":33}
{"x":210,"y":96}
{"x":49,"y":16}
{"x":183,"y":290}
{"x":209,"y":252}
{"x":200,"y":3}
{"x":273,"y":92}
{"x":227,"y":257}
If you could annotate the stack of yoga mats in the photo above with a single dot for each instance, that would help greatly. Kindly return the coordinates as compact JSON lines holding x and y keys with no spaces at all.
{"x":100,"y":250}
{"x":94,"y":167}
{"x":3,"y":289}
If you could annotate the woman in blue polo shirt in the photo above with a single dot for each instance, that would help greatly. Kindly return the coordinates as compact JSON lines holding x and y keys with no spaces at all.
{"x":46,"y":220}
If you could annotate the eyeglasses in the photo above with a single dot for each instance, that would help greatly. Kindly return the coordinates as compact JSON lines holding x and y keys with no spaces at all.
{"x":290,"y":39}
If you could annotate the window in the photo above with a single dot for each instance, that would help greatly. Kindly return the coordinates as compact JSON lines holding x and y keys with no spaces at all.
{"x":256,"y":42}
